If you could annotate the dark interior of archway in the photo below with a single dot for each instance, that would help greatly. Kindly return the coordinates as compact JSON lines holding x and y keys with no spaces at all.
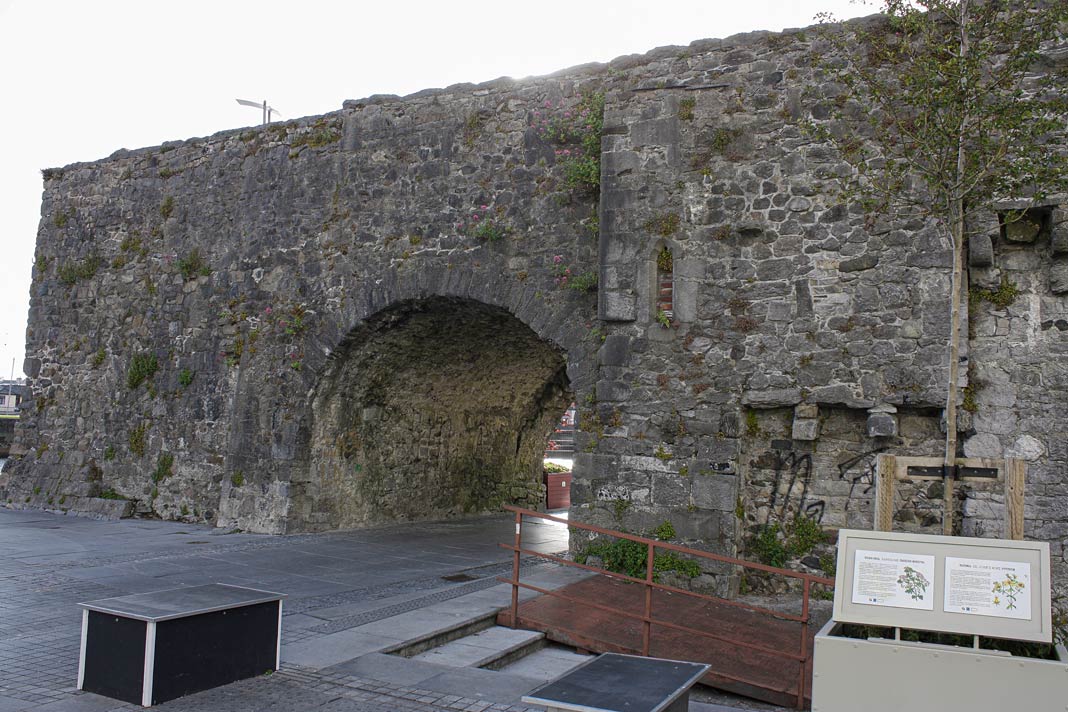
{"x":432,"y":409}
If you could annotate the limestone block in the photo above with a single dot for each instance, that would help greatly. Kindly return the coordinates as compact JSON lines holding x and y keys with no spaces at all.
{"x":980,"y":250}
{"x":856,"y":264}
{"x":1058,"y":277}
{"x":806,"y":410}
{"x":615,"y":351}
{"x":773,"y":398}
{"x":618,"y":305}
{"x":806,"y":429}
{"x":715,"y":492}
{"x":612,"y":391}
{"x":881,"y":425}
{"x":1026,"y":447}
{"x":983,"y":445}
{"x":1058,"y":243}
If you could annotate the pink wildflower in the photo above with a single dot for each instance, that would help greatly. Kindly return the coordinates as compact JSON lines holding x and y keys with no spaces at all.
{"x":557,"y":259}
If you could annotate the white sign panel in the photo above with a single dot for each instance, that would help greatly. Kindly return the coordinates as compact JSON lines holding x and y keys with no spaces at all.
{"x":884,"y":578}
{"x":988,"y":588}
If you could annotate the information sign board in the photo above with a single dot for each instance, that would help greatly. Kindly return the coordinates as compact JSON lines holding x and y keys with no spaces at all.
{"x":992,"y":587}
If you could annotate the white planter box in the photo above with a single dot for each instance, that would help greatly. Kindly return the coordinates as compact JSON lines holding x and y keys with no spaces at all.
{"x":851,"y":675}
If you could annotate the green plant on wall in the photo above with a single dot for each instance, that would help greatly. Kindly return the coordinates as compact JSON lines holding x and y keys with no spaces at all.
{"x":1001,"y":297}
{"x":164,"y":467}
{"x":136,"y":439}
{"x":665,"y":262}
{"x":185,"y":377}
{"x":485,"y":224}
{"x":665,"y":224}
{"x":775,"y":545}
{"x":192,"y":265}
{"x":71,"y":273}
{"x":142,"y":367}
{"x":577,"y":131}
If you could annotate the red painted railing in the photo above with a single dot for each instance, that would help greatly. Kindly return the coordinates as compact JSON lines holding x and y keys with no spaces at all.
{"x":801,"y":657}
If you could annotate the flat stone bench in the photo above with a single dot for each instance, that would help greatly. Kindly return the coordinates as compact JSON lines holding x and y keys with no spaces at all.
{"x":149,"y":648}
{"x":621,"y":683}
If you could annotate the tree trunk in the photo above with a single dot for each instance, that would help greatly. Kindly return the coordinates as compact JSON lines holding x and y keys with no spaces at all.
{"x":956,"y":211}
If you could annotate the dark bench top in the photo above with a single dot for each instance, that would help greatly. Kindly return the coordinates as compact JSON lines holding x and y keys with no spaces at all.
{"x":619,"y":683}
{"x":181,"y":602}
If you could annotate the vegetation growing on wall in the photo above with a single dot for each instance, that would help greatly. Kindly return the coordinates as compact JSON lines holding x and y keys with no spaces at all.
{"x":775,"y":546}
{"x":71,"y":273}
{"x":577,"y":131}
{"x":137,"y":439}
{"x":193,"y":265}
{"x":322,"y":133}
{"x":142,"y":367}
{"x":164,"y":467}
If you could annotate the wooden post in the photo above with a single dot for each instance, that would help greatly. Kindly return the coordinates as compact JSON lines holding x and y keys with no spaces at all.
{"x":515,"y":568}
{"x":885,"y":476}
{"x":947,"y":506}
{"x":1015,"y":471}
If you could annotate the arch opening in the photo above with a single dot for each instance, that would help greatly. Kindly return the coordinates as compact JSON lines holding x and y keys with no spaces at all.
{"x":431,"y":409}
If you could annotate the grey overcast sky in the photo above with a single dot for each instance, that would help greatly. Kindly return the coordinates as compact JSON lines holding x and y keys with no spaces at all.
{"x":80,"y":79}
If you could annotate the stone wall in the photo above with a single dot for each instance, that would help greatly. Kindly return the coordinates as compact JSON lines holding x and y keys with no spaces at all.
{"x":354,"y":310}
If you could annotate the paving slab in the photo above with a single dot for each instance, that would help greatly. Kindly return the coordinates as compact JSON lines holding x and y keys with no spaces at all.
{"x":409,"y":672}
{"x":327,"y":650}
{"x":479,"y":649}
{"x":546,"y":664}
{"x":497,"y":687}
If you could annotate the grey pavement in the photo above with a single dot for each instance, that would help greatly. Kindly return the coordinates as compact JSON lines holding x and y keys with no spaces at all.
{"x":354,"y":597}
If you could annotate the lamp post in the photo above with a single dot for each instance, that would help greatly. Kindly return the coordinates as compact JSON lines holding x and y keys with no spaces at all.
{"x":267,"y":110}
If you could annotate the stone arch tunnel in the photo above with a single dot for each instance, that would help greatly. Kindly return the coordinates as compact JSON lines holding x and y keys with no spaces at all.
{"x":431,"y":408}
{"x":296,"y":326}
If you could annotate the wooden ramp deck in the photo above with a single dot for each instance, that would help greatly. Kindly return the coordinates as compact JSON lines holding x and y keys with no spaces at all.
{"x":736,"y":668}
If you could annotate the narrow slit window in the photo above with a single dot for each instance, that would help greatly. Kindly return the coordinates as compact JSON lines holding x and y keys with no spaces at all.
{"x":665,"y":283}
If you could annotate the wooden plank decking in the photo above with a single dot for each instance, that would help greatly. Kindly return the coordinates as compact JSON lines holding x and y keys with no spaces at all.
{"x":735,"y":668}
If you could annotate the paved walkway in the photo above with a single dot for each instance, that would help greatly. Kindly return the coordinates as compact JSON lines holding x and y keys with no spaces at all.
{"x":351,"y":596}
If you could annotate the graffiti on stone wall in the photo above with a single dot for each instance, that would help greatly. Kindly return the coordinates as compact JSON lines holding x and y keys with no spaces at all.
{"x":793,"y":473}
{"x":792,"y":485}
{"x":859,"y":471}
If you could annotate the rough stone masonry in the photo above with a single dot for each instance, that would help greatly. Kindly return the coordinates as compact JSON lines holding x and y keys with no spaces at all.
{"x":370,"y":316}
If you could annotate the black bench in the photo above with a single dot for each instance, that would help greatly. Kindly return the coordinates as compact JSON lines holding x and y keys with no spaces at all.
{"x":148,"y":648}
{"x":621,"y":683}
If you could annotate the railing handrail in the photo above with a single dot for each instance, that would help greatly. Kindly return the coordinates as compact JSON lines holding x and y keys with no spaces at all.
{"x":649,"y":585}
{"x":674,"y":547}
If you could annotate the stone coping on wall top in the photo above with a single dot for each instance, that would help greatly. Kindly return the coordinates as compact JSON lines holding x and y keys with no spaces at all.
{"x":627,"y":61}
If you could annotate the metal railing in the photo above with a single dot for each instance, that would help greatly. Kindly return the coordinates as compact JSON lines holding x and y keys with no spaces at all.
{"x":801,"y":657}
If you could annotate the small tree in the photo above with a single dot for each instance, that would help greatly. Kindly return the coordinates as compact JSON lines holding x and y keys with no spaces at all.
{"x":958,"y":117}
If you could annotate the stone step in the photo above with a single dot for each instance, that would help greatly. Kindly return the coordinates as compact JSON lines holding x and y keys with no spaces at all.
{"x":483,"y":649}
{"x":547,"y":663}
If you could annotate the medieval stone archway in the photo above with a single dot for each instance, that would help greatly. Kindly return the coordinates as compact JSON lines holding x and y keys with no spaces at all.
{"x":430,"y":408}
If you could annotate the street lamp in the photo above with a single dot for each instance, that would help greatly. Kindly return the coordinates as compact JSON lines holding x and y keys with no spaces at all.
{"x":267,"y":110}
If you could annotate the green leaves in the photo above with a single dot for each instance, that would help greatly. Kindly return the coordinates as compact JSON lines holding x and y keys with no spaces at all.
{"x":941,"y":80}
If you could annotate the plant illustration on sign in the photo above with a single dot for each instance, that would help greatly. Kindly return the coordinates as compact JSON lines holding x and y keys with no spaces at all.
{"x":914,"y":583}
{"x":1010,"y":588}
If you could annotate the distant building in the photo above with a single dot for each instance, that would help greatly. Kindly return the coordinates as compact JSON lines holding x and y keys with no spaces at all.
{"x":11,"y":395}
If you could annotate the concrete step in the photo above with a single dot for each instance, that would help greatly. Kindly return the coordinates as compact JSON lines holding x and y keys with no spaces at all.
{"x":484,"y":648}
{"x":547,"y":663}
